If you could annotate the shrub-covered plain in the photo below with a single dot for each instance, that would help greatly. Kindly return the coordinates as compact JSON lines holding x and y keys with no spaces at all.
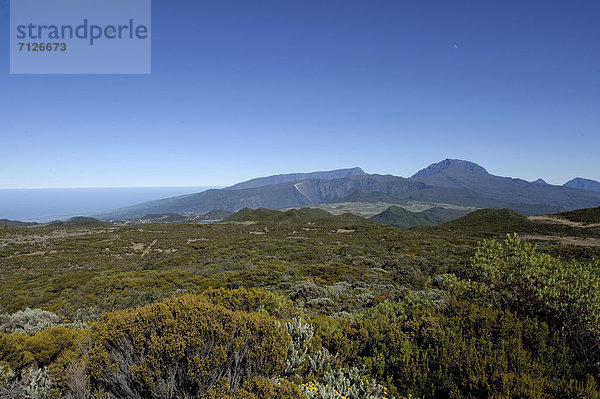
{"x":297,"y":310}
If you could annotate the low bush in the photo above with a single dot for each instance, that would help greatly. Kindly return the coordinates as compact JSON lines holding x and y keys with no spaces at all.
{"x":183,"y":347}
{"x":251,"y":300}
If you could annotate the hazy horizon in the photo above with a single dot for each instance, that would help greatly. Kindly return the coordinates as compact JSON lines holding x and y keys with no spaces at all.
{"x":48,"y":204}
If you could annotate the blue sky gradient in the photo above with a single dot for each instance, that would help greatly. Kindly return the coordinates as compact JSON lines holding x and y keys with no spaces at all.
{"x":242,"y":89}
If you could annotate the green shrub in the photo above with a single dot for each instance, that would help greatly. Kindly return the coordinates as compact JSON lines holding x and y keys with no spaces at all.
{"x":457,"y":350}
{"x":517,"y":277}
{"x":251,"y":300}
{"x":183,"y":347}
{"x":45,"y":348}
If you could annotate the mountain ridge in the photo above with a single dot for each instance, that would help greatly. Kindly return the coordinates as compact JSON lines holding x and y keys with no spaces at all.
{"x":451,"y":181}
{"x":296,"y":177}
{"x":583,"y":184}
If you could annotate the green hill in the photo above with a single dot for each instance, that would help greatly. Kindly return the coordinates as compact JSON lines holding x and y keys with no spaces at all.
{"x":499,"y":222}
{"x":491,"y":220}
{"x":252,"y":215}
{"x":400,"y":217}
{"x":304,"y":215}
{"x":587,"y":216}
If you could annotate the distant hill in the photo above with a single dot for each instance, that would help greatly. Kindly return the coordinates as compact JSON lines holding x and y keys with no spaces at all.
{"x":463,"y":174}
{"x":274,"y":197}
{"x":499,"y":222}
{"x":298,"y":216}
{"x":492,"y":221}
{"x":251,"y":215}
{"x":400,"y":217}
{"x":296,"y":177}
{"x":79,"y":221}
{"x":587,"y":216}
{"x":583,"y":184}
{"x":539,"y":181}
{"x":16,"y":223}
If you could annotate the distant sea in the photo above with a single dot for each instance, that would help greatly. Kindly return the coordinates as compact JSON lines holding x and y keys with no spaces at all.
{"x":47,"y":204}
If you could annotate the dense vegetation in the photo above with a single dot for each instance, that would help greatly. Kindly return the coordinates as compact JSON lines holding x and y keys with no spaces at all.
{"x":286,"y":306}
{"x":587,"y":216}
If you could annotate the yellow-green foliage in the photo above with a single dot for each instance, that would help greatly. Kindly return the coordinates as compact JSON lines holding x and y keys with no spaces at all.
{"x":54,"y":347}
{"x":183,"y":346}
{"x":565,"y":294}
{"x":251,"y":300}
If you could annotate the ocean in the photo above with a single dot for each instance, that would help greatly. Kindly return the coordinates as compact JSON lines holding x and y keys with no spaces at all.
{"x":45,"y":205}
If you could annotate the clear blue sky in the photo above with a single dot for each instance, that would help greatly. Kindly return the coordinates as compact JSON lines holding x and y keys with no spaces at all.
{"x":241,"y":89}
